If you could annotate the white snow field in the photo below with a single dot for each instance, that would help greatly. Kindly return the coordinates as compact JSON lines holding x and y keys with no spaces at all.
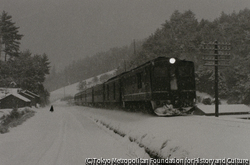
{"x":71,"y":134}
{"x":64,"y":137}
{"x":181,"y":136}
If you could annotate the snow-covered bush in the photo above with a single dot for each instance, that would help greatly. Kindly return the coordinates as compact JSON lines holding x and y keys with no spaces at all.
{"x":15,"y":118}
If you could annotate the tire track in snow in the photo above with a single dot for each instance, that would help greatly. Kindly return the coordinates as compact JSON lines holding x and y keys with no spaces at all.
{"x":70,"y":141}
{"x":61,"y":139}
{"x":50,"y":155}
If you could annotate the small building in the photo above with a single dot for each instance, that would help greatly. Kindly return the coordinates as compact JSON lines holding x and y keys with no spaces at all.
{"x":33,"y":99}
{"x":36,"y":97}
{"x":14,"y":100}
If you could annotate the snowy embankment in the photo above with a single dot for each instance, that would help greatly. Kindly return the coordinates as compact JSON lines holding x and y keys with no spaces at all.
{"x":7,"y":111}
{"x":14,"y":118}
{"x":72,"y":89}
{"x":179,"y":137}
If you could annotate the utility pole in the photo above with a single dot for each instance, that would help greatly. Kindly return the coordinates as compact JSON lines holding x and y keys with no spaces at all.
{"x":220,"y":56}
{"x":216,"y":80}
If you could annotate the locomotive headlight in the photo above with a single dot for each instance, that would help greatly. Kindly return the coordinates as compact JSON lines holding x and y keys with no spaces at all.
{"x":172,"y":60}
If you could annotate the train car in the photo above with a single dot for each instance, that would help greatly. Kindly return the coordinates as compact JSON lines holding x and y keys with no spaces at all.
{"x":159,"y":82}
{"x":89,"y":96}
{"x":112,"y":92}
{"x":83,"y":97}
{"x":136,"y":88}
{"x":98,"y":94}
{"x":79,"y":98}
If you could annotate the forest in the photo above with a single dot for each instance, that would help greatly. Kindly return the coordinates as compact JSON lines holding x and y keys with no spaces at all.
{"x":21,"y":69}
{"x":179,"y":36}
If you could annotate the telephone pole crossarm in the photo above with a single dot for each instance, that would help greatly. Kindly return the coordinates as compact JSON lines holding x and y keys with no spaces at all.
{"x":218,"y":56}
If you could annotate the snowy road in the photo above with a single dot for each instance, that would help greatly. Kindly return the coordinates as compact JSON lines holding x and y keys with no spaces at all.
{"x":71,"y":134}
{"x":60,"y":138}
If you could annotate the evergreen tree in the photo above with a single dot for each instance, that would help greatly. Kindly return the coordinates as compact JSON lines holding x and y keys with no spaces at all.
{"x":9,"y":37}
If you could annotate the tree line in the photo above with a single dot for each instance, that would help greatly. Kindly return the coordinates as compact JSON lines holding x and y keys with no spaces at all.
{"x":23,"y":69}
{"x":91,"y":66}
{"x":181,"y":36}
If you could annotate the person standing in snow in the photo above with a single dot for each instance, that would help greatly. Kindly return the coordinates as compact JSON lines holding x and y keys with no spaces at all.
{"x":51,"y":109}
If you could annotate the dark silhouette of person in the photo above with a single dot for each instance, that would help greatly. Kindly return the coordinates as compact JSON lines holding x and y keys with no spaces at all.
{"x":51,"y":109}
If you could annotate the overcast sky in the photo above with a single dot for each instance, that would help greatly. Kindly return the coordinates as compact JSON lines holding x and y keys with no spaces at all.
{"x":67,"y":30}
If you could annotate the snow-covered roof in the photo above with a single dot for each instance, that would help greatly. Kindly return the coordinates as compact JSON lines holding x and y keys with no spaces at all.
{"x":2,"y":95}
{"x":5,"y":91}
{"x":18,"y":96}
{"x":9,"y":90}
{"x":29,"y":92}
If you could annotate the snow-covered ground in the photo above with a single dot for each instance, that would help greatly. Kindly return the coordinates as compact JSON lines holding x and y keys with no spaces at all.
{"x":63,"y":137}
{"x":180,"y":137}
{"x":71,"y":134}
{"x":225,"y":108}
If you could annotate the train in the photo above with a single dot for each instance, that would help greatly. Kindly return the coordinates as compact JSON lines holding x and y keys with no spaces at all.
{"x":162,"y":83}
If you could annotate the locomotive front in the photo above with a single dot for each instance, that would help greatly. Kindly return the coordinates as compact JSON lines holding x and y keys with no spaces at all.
{"x":173,"y":86}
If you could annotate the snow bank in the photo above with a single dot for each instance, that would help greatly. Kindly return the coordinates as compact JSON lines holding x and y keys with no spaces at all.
{"x":4,"y":112}
{"x":7,"y":111}
{"x":179,"y":137}
{"x":230,"y":108}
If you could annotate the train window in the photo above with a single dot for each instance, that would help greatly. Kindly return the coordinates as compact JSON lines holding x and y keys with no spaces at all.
{"x":173,"y":82}
{"x":185,"y":71}
{"x":139,"y":80}
{"x":173,"y":79}
{"x":160,"y":71}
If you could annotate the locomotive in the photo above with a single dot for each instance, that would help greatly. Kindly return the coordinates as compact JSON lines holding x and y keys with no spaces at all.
{"x":158,"y":83}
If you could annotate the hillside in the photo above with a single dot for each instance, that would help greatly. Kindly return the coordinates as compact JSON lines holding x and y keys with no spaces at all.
{"x":71,"y":90}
